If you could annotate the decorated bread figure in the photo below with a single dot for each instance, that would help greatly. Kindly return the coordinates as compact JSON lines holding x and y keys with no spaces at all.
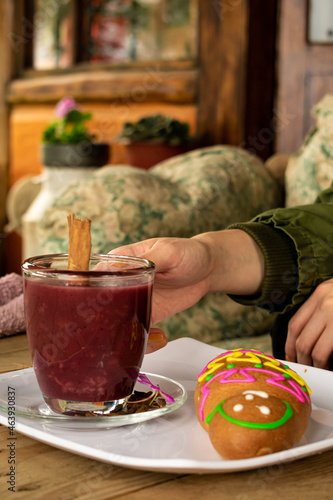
{"x":251,"y":404}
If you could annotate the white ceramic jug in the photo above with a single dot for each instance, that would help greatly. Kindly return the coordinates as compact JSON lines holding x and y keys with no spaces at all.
{"x":55,"y":180}
{"x":31,"y":196}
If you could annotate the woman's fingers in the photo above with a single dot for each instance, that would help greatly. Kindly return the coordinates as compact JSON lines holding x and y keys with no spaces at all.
{"x":304,"y":330}
{"x":323,"y":350}
{"x":310,"y":331}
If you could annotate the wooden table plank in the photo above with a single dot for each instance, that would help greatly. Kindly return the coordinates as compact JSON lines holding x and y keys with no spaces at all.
{"x":14,"y":353}
{"x":303,"y":479}
{"x":46,"y":472}
{"x":43,"y":471}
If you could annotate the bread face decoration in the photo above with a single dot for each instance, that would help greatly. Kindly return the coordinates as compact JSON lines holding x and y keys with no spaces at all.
{"x":251,"y":404}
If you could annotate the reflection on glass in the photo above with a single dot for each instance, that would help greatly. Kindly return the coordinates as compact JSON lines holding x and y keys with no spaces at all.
{"x":105,"y":27}
{"x":113,"y":31}
{"x":52,"y":34}
{"x":139,"y":30}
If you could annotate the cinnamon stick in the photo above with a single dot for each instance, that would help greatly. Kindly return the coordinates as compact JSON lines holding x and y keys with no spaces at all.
{"x":79,"y":247}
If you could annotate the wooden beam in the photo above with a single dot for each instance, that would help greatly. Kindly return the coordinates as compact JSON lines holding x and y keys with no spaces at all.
{"x":12,"y":47}
{"x":222,"y":60}
{"x":291,"y":70}
{"x":7,"y":34}
{"x":260,"y":113}
{"x":145,"y":84}
{"x":6,"y":17}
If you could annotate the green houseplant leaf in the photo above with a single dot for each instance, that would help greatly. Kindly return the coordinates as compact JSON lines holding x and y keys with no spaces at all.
{"x":157,"y":128}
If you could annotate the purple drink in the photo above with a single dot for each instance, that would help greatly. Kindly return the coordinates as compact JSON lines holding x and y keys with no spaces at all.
{"x":88,"y":331}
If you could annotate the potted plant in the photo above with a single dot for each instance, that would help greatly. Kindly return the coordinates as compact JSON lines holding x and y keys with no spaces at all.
{"x":68,"y":154}
{"x":67,"y":142}
{"x":155,"y":138}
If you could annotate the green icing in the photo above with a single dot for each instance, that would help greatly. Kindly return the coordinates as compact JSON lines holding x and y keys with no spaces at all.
{"x":253,"y":425}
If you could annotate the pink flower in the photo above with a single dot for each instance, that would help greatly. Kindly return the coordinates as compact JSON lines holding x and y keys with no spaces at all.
{"x":64,"y":106}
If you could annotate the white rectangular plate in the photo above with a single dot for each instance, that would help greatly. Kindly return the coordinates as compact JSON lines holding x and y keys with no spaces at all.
{"x":176,"y":442}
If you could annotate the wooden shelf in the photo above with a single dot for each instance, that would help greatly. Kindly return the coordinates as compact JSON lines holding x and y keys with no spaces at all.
{"x":142,"y":84}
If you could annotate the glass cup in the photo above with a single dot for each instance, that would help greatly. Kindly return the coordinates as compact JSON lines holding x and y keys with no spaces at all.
{"x":87,"y":330}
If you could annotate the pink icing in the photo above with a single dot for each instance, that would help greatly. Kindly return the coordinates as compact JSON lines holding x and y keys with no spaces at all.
{"x":275,"y":378}
{"x":143,"y":379}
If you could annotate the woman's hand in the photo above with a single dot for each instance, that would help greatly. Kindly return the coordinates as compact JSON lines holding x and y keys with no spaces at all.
{"x":181,"y":279}
{"x":182,"y":272}
{"x":310,"y":330}
{"x":188,"y":268}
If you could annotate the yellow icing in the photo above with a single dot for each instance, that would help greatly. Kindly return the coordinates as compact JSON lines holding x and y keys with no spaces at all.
{"x":250,"y":357}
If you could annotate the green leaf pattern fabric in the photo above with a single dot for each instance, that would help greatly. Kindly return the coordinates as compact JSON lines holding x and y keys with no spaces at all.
{"x":310,"y":170}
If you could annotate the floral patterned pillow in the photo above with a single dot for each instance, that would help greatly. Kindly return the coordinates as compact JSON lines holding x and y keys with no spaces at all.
{"x":204,"y":190}
{"x":310,"y":170}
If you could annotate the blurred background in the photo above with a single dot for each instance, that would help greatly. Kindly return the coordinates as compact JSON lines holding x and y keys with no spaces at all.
{"x":239,"y":72}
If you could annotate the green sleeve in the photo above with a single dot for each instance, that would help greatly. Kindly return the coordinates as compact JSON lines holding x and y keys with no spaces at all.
{"x":297,"y":244}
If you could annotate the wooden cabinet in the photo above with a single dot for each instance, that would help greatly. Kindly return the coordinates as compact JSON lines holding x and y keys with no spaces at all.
{"x":226,"y":93}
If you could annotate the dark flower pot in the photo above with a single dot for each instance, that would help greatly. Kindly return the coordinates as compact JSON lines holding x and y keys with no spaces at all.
{"x":84,"y":154}
{"x":147,"y":154}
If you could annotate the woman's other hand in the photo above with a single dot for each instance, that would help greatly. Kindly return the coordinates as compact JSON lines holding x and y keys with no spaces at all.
{"x":310,"y":330}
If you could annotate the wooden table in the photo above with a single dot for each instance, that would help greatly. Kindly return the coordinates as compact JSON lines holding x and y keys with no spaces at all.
{"x":44,"y":472}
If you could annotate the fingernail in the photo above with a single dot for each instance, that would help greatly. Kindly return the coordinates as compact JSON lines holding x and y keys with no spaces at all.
{"x":156,"y":338}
